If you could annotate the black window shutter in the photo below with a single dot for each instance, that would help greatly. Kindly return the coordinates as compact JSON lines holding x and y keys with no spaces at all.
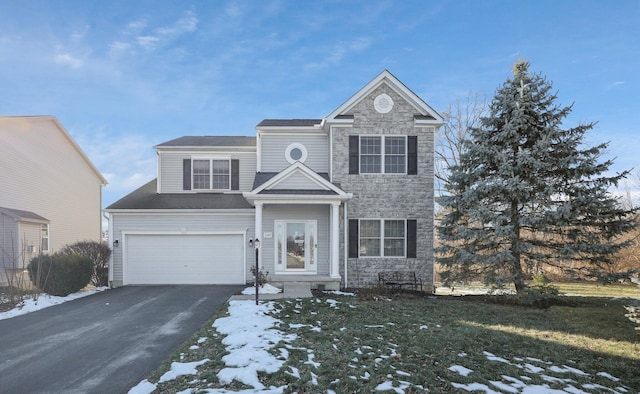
{"x":186,"y":174}
{"x":353,"y":238}
{"x":235,"y":174}
{"x":412,"y":155}
{"x":354,"y":154}
{"x":412,"y":238}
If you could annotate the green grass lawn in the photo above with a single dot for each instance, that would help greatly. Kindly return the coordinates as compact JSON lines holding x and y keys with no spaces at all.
{"x":412,"y":344}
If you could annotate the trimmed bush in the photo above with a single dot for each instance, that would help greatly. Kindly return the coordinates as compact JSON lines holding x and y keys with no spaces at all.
{"x":60,"y":274}
{"x":99,"y":253}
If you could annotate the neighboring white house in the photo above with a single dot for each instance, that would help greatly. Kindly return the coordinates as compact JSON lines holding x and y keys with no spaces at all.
{"x":333,"y":201}
{"x":50,"y":193}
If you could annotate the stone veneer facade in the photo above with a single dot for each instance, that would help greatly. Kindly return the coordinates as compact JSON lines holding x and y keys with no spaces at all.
{"x":393,"y":196}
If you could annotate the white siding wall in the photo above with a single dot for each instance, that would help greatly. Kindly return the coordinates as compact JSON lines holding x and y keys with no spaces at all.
{"x":295,"y":212}
{"x":183,"y":223}
{"x":9,"y":242}
{"x":275,"y":145}
{"x":41,"y":172}
{"x":170,"y":167}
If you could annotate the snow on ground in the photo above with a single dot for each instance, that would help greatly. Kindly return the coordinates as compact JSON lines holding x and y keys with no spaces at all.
{"x":44,"y":301}
{"x":266,"y":289}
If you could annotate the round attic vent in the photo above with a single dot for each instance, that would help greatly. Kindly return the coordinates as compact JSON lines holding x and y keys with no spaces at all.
{"x":383,"y":103}
{"x":295,"y":152}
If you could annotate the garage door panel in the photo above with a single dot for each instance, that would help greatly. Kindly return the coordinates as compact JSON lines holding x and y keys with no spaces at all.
{"x":184,"y":259}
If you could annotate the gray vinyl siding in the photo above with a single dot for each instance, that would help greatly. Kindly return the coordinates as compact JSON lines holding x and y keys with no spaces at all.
{"x":274,"y":147}
{"x":182,"y":223}
{"x":296,"y":182}
{"x":320,"y":213}
{"x":170,"y":169}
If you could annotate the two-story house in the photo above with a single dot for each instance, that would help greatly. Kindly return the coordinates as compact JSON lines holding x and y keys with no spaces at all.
{"x":333,"y":201}
{"x":50,"y":192}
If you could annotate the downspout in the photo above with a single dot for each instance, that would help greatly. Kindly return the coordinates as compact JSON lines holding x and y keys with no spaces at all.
{"x":346,"y":246}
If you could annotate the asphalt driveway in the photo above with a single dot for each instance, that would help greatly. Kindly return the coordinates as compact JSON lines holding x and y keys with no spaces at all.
{"x":103,"y":343}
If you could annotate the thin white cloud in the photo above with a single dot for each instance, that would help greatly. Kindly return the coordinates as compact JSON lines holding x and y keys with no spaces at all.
{"x":67,"y":59}
{"x":139,"y":35}
{"x":340,"y":51}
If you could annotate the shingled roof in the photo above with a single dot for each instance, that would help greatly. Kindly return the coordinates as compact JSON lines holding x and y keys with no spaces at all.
{"x":147,"y":197}
{"x":289,"y":122}
{"x":210,"y":140}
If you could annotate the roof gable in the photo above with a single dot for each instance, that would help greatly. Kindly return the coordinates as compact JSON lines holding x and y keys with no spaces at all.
{"x":299,"y":177}
{"x":26,"y":122}
{"x":423,"y":110}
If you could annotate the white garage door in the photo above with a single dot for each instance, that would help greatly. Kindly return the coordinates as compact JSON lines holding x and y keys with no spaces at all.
{"x":184,"y":259}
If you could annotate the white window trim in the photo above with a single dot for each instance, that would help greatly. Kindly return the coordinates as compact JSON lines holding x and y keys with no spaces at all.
{"x":383,"y":154}
{"x":303,"y":151}
{"x":279,"y":260}
{"x":210,"y":159}
{"x":382,"y":238}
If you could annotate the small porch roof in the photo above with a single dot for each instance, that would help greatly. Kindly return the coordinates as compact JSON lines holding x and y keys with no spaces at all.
{"x":268,"y":187}
{"x":23,"y":216}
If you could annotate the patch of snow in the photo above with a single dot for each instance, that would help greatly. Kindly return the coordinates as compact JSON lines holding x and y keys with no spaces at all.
{"x":608,"y":376}
{"x":144,"y":387}
{"x":459,"y":369}
{"x":567,"y":369}
{"x":250,"y":335}
{"x":471,"y":387}
{"x":180,"y":369}
{"x":342,"y":293}
{"x":266,"y":289}
{"x":45,"y":301}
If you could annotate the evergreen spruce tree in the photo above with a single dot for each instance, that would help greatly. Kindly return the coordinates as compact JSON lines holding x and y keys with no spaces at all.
{"x":528,"y":194}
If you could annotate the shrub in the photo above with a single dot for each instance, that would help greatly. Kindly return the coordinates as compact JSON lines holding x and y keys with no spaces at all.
{"x":99,"y":253}
{"x":60,"y":274}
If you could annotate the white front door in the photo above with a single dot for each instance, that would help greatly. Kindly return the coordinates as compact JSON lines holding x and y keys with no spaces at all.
{"x":295,"y":246}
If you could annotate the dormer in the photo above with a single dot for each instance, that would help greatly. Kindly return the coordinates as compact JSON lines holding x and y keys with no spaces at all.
{"x":283,"y":142}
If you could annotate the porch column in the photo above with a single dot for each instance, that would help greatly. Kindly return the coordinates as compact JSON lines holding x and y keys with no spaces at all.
{"x":258,"y":230}
{"x":335,"y":240}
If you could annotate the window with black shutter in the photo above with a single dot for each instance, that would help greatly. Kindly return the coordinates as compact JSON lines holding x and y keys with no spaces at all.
{"x":186,"y":174}
{"x":412,"y":155}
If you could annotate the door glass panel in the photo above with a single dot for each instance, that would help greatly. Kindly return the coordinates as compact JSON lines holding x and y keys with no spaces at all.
{"x":312,"y":242}
{"x":295,"y":245}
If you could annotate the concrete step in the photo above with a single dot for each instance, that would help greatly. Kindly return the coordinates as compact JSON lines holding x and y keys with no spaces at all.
{"x":296,"y":289}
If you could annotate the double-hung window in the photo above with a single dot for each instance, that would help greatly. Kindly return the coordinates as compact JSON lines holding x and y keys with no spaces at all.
{"x":383,"y":155}
{"x":44,"y":237}
{"x":382,"y":238}
{"x":211,"y":174}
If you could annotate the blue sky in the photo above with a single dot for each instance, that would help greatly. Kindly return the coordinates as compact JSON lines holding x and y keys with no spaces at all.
{"x":123,"y":76}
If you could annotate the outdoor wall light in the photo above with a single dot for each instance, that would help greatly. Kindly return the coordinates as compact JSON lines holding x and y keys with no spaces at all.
{"x":115,"y":243}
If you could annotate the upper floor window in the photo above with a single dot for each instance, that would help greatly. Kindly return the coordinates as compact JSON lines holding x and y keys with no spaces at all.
{"x":385,"y":155}
{"x":44,"y":242}
{"x":211,"y":174}
{"x":382,"y":154}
